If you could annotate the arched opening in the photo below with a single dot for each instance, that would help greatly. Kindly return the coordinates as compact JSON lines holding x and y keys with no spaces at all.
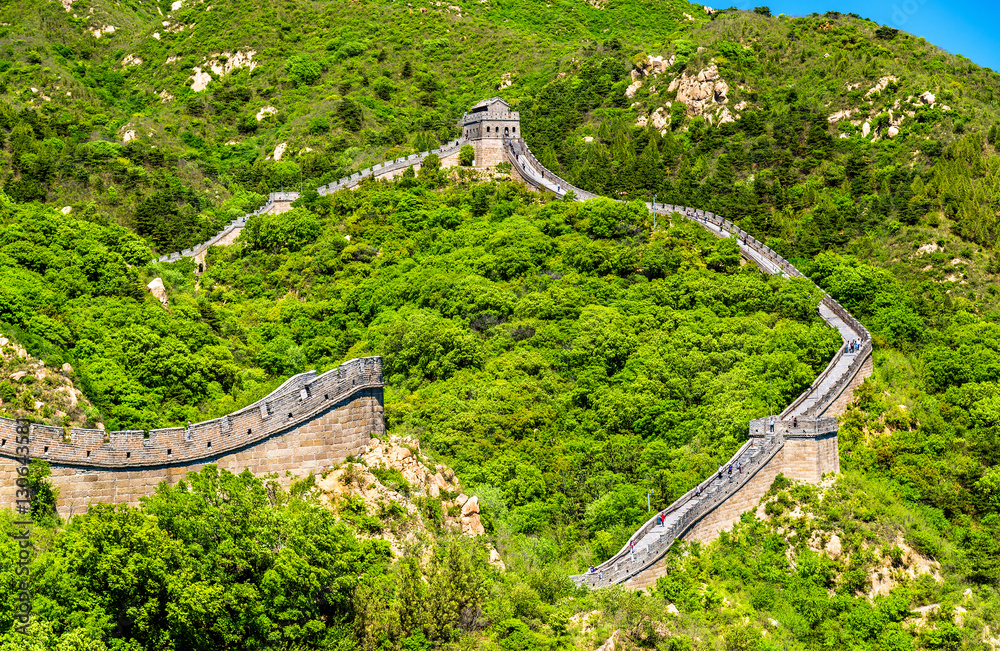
{"x":513,"y":129}
{"x":487,"y":129}
{"x":506,"y":131}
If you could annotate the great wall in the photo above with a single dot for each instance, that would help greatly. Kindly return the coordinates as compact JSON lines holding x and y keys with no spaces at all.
{"x":308,"y":423}
{"x":800,"y":442}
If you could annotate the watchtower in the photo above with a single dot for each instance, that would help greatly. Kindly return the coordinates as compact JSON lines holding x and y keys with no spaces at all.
{"x":486,"y":125}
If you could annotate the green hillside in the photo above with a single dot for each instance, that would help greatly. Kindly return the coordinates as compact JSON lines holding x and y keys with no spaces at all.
{"x":567,"y":360}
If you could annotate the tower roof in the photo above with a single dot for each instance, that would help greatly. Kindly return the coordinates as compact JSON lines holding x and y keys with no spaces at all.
{"x":488,"y":103}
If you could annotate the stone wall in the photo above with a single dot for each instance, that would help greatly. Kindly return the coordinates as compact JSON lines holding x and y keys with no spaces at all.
{"x":489,"y":152}
{"x":839,"y":405}
{"x":728,"y":513}
{"x":306,"y":424}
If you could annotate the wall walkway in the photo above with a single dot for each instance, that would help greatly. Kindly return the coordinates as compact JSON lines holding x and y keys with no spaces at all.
{"x":307,"y":423}
{"x":800,"y":442}
{"x":279,"y":202}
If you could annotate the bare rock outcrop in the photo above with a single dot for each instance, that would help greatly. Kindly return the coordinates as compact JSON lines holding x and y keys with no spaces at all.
{"x":700,"y":90}
{"x":840,"y":115}
{"x":395,"y":472}
{"x":156,"y":288}
{"x":881,"y":85}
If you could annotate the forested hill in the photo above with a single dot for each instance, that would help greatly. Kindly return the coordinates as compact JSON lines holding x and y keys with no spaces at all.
{"x":570,"y":361}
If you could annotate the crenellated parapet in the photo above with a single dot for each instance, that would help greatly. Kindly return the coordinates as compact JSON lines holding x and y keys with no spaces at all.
{"x":800,"y":442}
{"x":308,"y":423}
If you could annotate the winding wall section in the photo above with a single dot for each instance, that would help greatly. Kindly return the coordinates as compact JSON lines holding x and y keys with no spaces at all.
{"x":308,"y":423}
{"x":278,"y":202}
{"x":801,"y":442}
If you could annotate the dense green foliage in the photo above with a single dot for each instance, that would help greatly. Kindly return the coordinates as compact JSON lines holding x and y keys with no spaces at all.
{"x":568,"y":359}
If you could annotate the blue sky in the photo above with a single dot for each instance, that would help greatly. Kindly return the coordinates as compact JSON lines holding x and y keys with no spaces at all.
{"x":964,"y":27}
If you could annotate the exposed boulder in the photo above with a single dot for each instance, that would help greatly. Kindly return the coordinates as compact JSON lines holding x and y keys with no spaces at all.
{"x":199,"y":81}
{"x":496,"y":561}
{"x":659,"y":118}
{"x":472,"y":525}
{"x":156,"y":288}
{"x":839,"y":115}
{"x":265,"y":112}
{"x":927,"y":97}
{"x":881,"y":85}
{"x":892,"y":132}
{"x":699,"y":90}
{"x":866,"y":128}
{"x":612,"y":642}
{"x":470,"y":507}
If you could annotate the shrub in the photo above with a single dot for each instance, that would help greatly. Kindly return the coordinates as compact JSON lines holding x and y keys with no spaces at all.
{"x":302,"y":69}
{"x":467,"y":155}
{"x":288,"y":231}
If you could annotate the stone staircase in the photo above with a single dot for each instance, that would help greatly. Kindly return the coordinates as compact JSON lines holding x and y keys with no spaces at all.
{"x":653,"y":539}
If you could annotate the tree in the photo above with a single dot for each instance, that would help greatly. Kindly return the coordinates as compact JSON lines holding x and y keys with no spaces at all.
{"x":350,"y":114}
{"x":466,"y":155}
{"x":430,"y":167}
{"x":886,"y":33}
{"x":384,"y":88}
{"x":288,"y":231}
{"x":763,"y":11}
{"x":302,"y":69}
{"x":43,"y":494}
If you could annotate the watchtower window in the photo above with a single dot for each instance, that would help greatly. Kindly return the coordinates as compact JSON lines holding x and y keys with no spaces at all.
{"x":513,"y":129}
{"x":487,"y":129}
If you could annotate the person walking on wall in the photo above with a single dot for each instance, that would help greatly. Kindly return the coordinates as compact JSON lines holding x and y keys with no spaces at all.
{"x":772,"y":424}
{"x":631,"y":548}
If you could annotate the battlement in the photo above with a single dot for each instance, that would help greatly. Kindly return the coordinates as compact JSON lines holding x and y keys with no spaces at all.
{"x":297,"y":400}
{"x":490,"y":119}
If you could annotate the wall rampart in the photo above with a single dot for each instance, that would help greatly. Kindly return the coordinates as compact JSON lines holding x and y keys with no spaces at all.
{"x":308,"y":422}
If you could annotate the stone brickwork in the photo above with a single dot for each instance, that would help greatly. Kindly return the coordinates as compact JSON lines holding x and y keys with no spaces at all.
{"x":728,"y":513}
{"x":308,"y":423}
{"x":491,"y":119}
{"x":806,"y":431}
{"x":489,"y":152}
{"x":839,"y":405}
